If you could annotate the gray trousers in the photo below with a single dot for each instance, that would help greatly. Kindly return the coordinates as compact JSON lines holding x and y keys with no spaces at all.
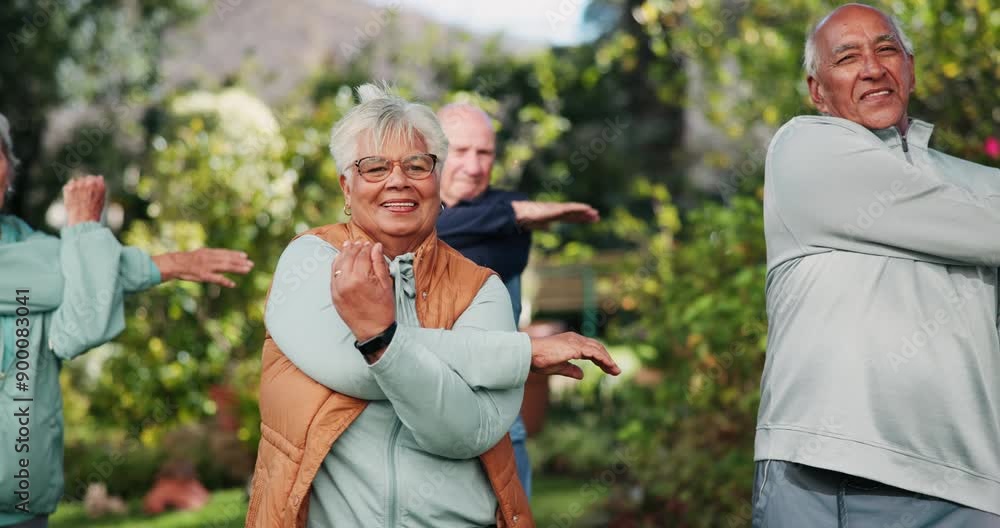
{"x":787,"y":495}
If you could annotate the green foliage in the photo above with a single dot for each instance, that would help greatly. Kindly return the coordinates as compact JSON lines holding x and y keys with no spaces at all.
{"x":696,"y":294}
{"x":223,"y":173}
{"x":699,"y":300}
{"x":750,"y":56}
{"x":102,"y":52}
{"x":601,"y":122}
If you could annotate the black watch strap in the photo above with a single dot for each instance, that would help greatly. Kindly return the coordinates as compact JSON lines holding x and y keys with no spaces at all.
{"x":378,"y":342}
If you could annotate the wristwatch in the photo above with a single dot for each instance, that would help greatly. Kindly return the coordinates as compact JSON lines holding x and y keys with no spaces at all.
{"x":376,"y":343}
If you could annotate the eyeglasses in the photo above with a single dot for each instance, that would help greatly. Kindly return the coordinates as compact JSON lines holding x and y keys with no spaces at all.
{"x":376,"y":168}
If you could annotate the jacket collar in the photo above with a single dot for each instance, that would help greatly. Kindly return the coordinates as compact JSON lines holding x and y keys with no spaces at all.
{"x":917,"y":135}
{"x":403,"y":266}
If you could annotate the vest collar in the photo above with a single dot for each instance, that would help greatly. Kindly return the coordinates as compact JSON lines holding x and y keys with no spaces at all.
{"x":403,"y":266}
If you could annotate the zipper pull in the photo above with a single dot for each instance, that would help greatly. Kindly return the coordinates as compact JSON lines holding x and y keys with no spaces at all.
{"x":906,"y":146}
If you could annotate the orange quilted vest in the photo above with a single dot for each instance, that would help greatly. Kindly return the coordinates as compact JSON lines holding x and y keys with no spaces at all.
{"x":301,"y":419}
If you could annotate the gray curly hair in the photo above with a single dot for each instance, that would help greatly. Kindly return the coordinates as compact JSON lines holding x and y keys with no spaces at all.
{"x":388,"y":118}
{"x":8,"y":148}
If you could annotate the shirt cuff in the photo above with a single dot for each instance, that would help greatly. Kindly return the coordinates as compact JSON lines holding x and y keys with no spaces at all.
{"x":79,"y":229}
{"x":154,"y":273}
{"x":399,"y":340}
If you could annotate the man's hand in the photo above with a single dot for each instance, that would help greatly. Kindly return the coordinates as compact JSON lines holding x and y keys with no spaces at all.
{"x":84,"y":199}
{"x":552,"y":355}
{"x":539,"y":215}
{"x":362,"y":289}
{"x":203,"y":265}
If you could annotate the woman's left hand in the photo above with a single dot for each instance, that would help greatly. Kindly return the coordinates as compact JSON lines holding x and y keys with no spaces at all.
{"x":361,"y":289}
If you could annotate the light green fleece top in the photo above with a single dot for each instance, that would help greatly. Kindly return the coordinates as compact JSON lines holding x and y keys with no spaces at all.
{"x":439,"y":398}
{"x":883,"y":357}
{"x":71,"y":288}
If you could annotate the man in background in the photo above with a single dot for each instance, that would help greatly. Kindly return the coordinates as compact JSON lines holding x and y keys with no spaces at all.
{"x":489,"y":226}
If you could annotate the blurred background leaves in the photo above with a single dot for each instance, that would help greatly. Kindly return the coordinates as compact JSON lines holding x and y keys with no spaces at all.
{"x":661,"y":121}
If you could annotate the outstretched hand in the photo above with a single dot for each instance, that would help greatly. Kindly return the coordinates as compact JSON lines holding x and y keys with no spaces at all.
{"x":552,"y":355}
{"x":203,"y":265}
{"x":539,"y":215}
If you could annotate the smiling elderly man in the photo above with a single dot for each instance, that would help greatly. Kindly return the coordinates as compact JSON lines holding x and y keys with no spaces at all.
{"x":881,"y":389}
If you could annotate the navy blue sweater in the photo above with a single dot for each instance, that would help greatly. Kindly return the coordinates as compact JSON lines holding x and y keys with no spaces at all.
{"x":485,"y":230}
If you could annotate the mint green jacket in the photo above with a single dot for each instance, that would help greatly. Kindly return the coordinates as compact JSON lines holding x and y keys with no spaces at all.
{"x":883,"y":356}
{"x":438,"y":398}
{"x":59,"y":297}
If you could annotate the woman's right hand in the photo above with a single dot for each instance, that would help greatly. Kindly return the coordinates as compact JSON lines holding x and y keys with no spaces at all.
{"x":84,"y":199}
{"x":552,"y":354}
{"x":362,"y":289}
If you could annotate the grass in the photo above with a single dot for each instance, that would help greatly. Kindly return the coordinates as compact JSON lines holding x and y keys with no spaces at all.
{"x":226,"y":509}
{"x":563,"y":502}
{"x":557,"y":502}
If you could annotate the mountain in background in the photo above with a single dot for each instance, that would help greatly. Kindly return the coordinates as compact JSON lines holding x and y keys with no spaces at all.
{"x":288,"y":41}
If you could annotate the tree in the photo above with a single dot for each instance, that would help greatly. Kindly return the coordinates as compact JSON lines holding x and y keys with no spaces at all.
{"x":99,"y":52}
{"x":695,"y":284}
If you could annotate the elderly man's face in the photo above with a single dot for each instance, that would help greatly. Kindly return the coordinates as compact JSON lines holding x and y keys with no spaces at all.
{"x":863,"y":73}
{"x":471,"y":152}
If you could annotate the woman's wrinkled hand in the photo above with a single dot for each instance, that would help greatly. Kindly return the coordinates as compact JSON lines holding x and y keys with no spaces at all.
{"x":83,"y":199}
{"x":361,"y":288}
{"x":203,"y":265}
{"x":552,"y":354}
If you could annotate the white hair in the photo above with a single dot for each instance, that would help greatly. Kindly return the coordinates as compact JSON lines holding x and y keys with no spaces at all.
{"x":459,"y":111}
{"x":388,"y":119}
{"x":811,"y":54}
{"x":8,"y":149}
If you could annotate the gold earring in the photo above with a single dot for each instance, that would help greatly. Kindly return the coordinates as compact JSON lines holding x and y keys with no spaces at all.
{"x":347,"y":209}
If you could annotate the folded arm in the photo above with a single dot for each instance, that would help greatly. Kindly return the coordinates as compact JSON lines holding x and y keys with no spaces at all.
{"x":840,"y":188}
{"x":446,"y":415}
{"x":303,"y":322}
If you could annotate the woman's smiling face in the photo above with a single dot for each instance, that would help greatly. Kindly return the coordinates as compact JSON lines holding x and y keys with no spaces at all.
{"x":398,"y":211}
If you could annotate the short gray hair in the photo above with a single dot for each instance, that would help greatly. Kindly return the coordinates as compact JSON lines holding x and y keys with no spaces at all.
{"x":8,"y":149}
{"x":5,"y":141}
{"x":388,"y":118}
{"x":811,"y":54}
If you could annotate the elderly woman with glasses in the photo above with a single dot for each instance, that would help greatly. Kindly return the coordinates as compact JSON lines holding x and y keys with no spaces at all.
{"x":60,"y":297}
{"x":391,"y":368}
